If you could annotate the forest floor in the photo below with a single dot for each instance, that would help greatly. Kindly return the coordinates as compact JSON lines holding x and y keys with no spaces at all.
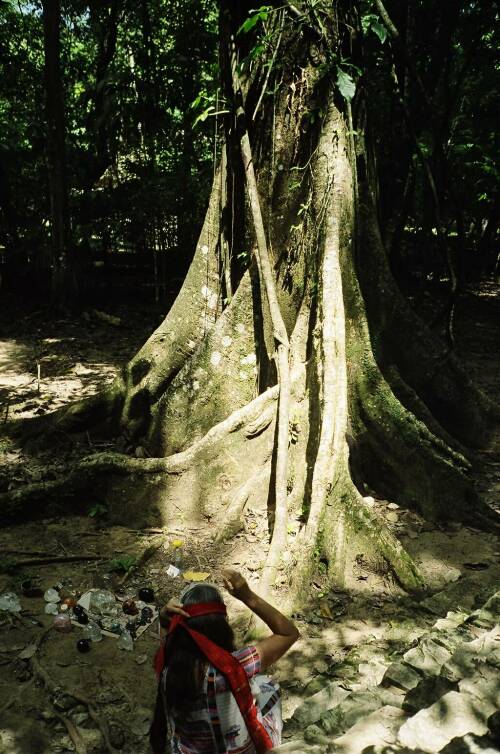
{"x":54,"y":700}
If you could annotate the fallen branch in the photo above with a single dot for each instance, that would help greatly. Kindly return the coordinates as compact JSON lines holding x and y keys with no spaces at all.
{"x":148,"y":553}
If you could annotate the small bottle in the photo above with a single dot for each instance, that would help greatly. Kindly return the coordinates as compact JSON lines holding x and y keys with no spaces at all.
{"x":178,"y":556}
{"x":126,"y":642}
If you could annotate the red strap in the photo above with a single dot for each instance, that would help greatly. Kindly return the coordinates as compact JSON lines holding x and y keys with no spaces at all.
{"x":225,"y":664}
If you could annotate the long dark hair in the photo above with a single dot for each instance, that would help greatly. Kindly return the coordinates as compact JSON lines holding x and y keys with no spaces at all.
{"x":185,"y":663}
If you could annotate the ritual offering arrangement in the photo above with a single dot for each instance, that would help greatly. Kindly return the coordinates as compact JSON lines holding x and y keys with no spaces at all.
{"x":108,"y":615}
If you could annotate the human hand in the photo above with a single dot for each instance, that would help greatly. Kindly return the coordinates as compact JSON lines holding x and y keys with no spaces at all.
{"x":236,"y":584}
{"x":173,"y":607}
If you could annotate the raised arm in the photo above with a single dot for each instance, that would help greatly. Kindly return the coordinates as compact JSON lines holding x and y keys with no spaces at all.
{"x":284,"y":631}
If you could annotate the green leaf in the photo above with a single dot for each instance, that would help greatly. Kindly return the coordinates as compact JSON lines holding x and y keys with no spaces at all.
{"x":203,"y":116}
{"x":380,"y":30}
{"x":367,"y":21}
{"x":346,"y":85}
{"x":261,"y":15}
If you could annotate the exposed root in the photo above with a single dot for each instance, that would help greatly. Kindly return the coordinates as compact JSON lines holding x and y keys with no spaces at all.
{"x":54,"y":688}
{"x":233,"y":519}
{"x":373,"y":528}
{"x":77,"y":740}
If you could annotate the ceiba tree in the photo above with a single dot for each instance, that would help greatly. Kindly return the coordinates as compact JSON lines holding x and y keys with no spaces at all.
{"x":290,"y":373}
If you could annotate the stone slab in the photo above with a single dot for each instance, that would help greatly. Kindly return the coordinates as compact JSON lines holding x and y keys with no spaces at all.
{"x":427,"y":657}
{"x":453,"y":716}
{"x":312,"y":709}
{"x":401,"y":675}
{"x":379,"y":728}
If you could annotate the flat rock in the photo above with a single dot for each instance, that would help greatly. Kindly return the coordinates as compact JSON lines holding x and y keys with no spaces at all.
{"x":357,"y":707}
{"x":427,"y":657}
{"x":452,"y":575}
{"x":312,"y":709}
{"x":466,"y":658}
{"x":298,"y":747}
{"x":428,"y":691}
{"x":489,"y":615}
{"x":484,"y":684}
{"x":371,"y":673}
{"x":454,"y":715}
{"x":401,"y":675}
{"x":452,"y":620}
{"x":379,"y":728}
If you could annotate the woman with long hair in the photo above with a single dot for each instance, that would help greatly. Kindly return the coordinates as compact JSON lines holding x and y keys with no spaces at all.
{"x":212,"y":698}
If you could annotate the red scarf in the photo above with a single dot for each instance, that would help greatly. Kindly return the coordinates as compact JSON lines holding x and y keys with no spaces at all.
{"x":225,"y":664}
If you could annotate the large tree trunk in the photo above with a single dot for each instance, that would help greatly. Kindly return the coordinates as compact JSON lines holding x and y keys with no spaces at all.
{"x":370,"y":387}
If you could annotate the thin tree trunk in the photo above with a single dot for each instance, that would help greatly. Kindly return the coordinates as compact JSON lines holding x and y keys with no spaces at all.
{"x":64,"y":284}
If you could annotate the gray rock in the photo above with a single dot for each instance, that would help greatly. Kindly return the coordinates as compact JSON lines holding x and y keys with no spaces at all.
{"x":469,"y":655}
{"x":428,"y":656}
{"x":314,"y":735}
{"x":357,"y":707}
{"x":312,"y":709}
{"x":428,"y":691}
{"x":401,"y":675}
{"x":453,"y":715}
{"x":489,"y":614}
{"x":439,"y":604}
{"x":451,"y":575}
{"x":452,"y":620}
{"x":385,"y":749}
{"x":298,"y":747}
{"x":484,"y":684}
{"x":378,"y":728}
{"x":471,"y":744}
{"x":451,"y":639}
{"x":494,"y":726}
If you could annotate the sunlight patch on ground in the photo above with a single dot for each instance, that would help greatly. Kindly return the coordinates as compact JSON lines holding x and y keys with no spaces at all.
{"x":61,"y":379}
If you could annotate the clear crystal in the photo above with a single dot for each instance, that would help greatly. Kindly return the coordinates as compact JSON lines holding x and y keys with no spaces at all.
{"x":103,"y":602}
{"x":51,"y":608}
{"x":92,"y":632}
{"x":126,"y":642}
{"x":9,"y":601}
{"x":52,"y":595}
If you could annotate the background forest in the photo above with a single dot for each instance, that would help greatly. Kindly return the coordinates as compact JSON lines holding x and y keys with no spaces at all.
{"x":135,"y":91}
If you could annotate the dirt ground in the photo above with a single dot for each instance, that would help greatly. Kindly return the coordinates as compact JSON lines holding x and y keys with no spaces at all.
{"x":55,"y":700}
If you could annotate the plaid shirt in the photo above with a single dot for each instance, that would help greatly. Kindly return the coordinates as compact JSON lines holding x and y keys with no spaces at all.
{"x":215,"y":724}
